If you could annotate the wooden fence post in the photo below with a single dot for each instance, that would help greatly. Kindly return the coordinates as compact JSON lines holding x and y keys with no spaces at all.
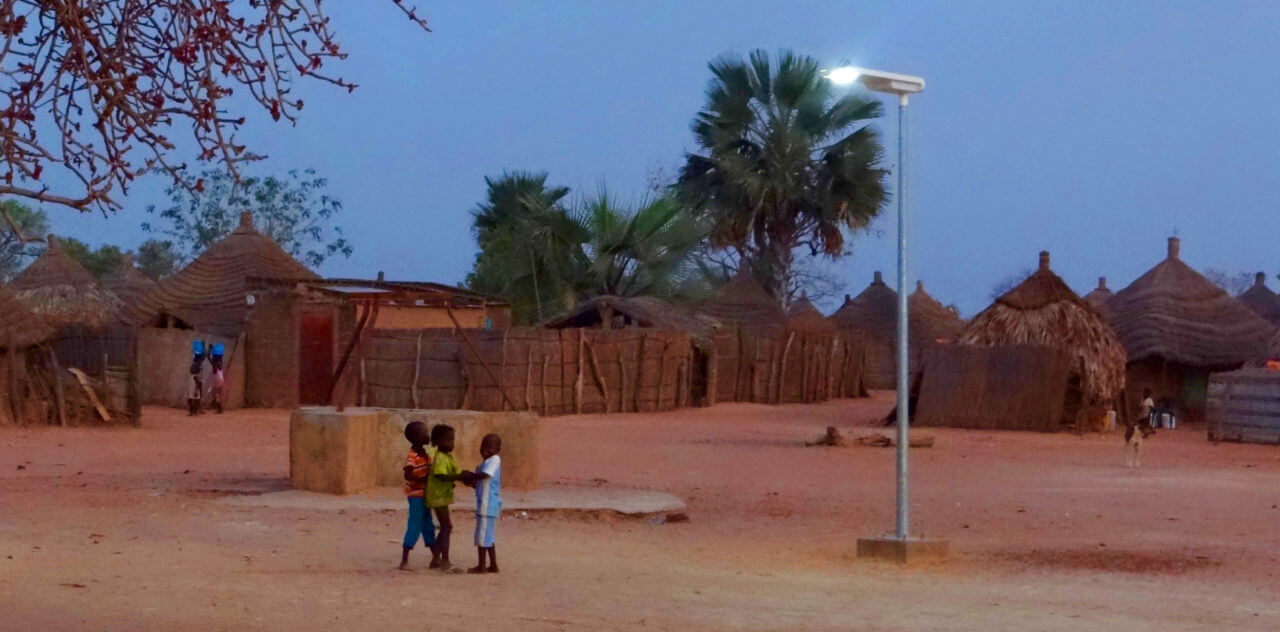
{"x":528,"y":375}
{"x":640,"y":372}
{"x":577,"y":382}
{"x":57,"y":387}
{"x":417,"y":364}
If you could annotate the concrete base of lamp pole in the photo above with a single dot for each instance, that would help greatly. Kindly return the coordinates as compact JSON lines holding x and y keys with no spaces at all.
{"x":902,"y":551}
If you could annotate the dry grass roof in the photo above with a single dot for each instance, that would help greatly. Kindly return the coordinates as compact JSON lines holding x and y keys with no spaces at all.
{"x":874,"y":312}
{"x":641,"y":311}
{"x":62,"y":292}
{"x":128,"y":283}
{"x":19,"y":326}
{"x":1099,"y":296}
{"x":1262,"y":300}
{"x":1043,"y":311}
{"x":209,"y":294}
{"x":1173,"y":312}
{"x":805,"y":318}
{"x":742,"y":302}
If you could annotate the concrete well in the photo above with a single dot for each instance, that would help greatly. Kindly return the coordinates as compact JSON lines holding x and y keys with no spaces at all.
{"x":361,"y":448}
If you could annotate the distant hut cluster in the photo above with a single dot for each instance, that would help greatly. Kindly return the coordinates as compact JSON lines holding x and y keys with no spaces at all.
{"x":874,"y":315}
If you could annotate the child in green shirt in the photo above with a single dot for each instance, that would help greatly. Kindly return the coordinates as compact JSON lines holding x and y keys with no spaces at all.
{"x":444,"y":473}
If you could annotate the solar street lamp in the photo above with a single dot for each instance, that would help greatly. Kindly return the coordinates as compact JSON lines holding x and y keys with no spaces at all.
{"x":902,"y":86}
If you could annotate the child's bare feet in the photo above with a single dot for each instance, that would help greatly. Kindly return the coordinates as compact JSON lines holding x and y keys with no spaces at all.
{"x":476,"y":570}
{"x":434,"y":564}
{"x":403,"y":567}
{"x":445,"y":566}
{"x":493,"y":568}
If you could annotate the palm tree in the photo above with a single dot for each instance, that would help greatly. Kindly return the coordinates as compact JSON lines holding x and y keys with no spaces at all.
{"x":787,"y":162}
{"x":544,"y":258}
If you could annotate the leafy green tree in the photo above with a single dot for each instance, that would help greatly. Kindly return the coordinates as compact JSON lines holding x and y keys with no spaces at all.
{"x":99,"y":262}
{"x":23,"y":240}
{"x":157,"y":258}
{"x":544,"y":258}
{"x":787,"y":163}
{"x":294,"y":210}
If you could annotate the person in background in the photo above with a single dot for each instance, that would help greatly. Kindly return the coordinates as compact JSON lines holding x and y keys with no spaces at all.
{"x":217,"y":381}
{"x":1147,"y":408}
{"x":195,"y":392}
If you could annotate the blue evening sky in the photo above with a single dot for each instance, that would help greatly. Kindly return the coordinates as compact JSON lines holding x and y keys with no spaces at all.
{"x":1091,"y":129}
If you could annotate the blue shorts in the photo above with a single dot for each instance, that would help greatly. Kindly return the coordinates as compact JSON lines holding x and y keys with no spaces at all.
{"x":421,"y":523}
{"x":486,"y":530}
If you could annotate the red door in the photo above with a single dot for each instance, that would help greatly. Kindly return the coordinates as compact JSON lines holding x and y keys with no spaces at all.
{"x":315,"y":356}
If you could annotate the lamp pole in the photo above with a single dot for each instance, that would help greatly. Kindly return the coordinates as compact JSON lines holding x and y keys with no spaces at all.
{"x":902,"y":86}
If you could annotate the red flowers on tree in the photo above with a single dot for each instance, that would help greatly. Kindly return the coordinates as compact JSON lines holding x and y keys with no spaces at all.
{"x":93,"y":87}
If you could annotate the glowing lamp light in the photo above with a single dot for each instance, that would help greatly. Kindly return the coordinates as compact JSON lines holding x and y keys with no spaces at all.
{"x":844,"y":75}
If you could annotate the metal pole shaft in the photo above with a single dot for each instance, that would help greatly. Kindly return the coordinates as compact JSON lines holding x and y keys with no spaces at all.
{"x":904,"y":374}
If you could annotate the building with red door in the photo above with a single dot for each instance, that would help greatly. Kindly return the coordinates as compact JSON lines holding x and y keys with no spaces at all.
{"x":284,"y":330}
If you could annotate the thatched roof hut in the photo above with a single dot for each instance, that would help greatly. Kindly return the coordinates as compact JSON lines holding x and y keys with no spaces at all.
{"x":616,"y":312}
{"x":62,"y":292}
{"x":1262,"y":300}
{"x":20,"y":327}
{"x":931,"y":321}
{"x":1099,"y":296}
{"x":128,"y":283}
{"x":742,"y":302}
{"x":210,"y":293}
{"x":874,"y":314}
{"x":1043,"y":311}
{"x":1174,"y":313}
{"x":804,"y":317}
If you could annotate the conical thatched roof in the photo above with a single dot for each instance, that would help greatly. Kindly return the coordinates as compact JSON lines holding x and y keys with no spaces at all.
{"x":744,"y":303}
{"x":62,"y":292}
{"x":19,"y":326}
{"x":128,"y":283}
{"x":1262,"y":300}
{"x":930,"y":320}
{"x":875,"y":313}
{"x":806,"y":318}
{"x":209,"y":294}
{"x":642,"y":311}
{"x":1173,"y":312}
{"x":1099,"y":296}
{"x":1043,"y":311}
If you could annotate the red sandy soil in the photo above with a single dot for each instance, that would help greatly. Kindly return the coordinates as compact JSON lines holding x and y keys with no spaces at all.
{"x":121,"y":529}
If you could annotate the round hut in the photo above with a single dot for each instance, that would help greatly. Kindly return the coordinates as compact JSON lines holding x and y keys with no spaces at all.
{"x":803,"y":317}
{"x":62,"y":292}
{"x":1099,"y":296}
{"x":931,"y":321}
{"x":1178,"y":327}
{"x":743,"y":303}
{"x":209,"y":294}
{"x":20,"y":332}
{"x":1042,"y":311}
{"x":128,"y":283}
{"x":874,"y":314}
{"x":1262,"y":300}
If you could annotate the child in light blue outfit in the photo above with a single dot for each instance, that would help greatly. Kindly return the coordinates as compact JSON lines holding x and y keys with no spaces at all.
{"x":488,"y":484}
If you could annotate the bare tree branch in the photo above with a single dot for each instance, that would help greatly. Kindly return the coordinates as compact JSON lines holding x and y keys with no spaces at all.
{"x":96,"y":88}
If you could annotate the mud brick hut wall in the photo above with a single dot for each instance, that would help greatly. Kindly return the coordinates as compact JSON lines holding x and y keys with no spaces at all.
{"x":273,"y":348}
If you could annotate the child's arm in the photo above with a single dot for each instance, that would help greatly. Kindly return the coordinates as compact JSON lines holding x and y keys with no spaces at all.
{"x":450,"y":478}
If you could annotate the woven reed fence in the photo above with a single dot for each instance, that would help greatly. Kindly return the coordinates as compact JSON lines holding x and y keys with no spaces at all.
{"x":793,"y":367}
{"x":567,"y":371}
{"x":552,"y":372}
{"x":36,"y":387}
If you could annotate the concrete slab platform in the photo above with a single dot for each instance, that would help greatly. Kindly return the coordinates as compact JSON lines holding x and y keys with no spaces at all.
{"x":632,"y":502}
{"x":892,"y":549}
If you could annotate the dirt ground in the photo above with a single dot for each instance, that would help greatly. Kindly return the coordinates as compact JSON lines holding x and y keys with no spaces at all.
{"x":122,"y":529}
